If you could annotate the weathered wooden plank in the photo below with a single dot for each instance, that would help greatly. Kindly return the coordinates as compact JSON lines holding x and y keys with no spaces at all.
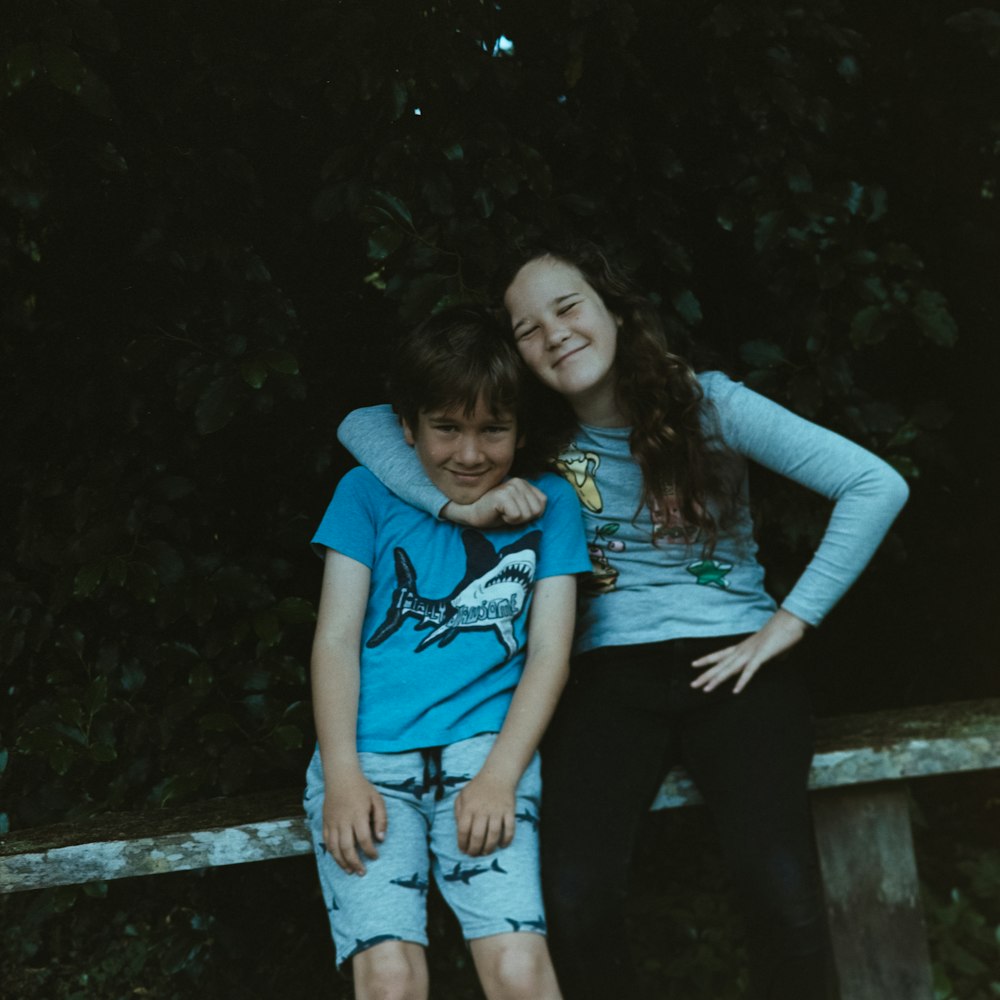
{"x":111,"y":859}
{"x":872,"y":892}
{"x":886,"y":746}
{"x":880,"y":746}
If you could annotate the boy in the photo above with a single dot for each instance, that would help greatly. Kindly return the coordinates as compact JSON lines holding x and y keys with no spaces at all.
{"x":429,"y":696}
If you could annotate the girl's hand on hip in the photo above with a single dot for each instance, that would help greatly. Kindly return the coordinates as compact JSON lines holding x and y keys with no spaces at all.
{"x":780,"y":633}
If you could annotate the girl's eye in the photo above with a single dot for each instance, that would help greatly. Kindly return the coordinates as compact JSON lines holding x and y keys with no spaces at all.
{"x":567,"y":308}
{"x":524,"y":334}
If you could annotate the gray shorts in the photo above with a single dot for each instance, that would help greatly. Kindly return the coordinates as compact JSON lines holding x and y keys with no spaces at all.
{"x":493,"y":894}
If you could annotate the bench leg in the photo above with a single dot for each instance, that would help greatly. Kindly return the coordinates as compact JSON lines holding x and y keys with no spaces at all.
{"x":872,"y":893}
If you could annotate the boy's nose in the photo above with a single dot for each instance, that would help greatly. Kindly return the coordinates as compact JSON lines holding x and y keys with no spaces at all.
{"x":469,"y":452}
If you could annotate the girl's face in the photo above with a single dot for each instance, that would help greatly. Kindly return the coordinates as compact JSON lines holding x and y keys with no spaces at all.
{"x":567,"y":336}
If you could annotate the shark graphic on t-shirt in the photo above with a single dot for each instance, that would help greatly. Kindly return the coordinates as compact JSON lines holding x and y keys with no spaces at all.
{"x":491,"y":594}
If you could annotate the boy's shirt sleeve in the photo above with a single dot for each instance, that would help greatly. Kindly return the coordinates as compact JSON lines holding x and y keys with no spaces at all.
{"x":564,"y":543}
{"x":373,"y":435}
{"x":348,"y":526}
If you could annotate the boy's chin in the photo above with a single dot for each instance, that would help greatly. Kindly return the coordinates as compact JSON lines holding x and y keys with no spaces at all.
{"x":464,"y":497}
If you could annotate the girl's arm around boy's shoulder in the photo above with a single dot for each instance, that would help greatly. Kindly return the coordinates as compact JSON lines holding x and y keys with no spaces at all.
{"x":374,"y":436}
{"x":484,"y":809}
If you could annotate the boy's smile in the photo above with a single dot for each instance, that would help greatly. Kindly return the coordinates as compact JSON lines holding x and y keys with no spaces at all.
{"x":465,"y":455}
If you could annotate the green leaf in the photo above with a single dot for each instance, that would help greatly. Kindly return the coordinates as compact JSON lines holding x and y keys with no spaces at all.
{"x":217,"y":722}
{"x":398,"y":98}
{"x":932,"y":415}
{"x":295,"y":610}
{"x":688,"y":307}
{"x":484,"y":202}
{"x":4,"y":758}
{"x":934,"y":320}
{"x":96,"y":695}
{"x":395,"y":207}
{"x":60,"y":758}
{"x":904,"y":465}
{"x":281,"y":361}
{"x":217,"y":404}
{"x":768,"y":230}
{"x":23,"y":65}
{"x":384,"y":241}
{"x":503,"y":175}
{"x":133,"y":676}
{"x":421,"y":295}
{"x":65,"y":69}
{"x":762,"y":354}
{"x":142,"y":581}
{"x":806,"y":393}
{"x":901,"y":255}
{"x":103,"y":753}
{"x":88,"y":579}
{"x":865,"y":326}
{"x":267,"y":627}
{"x":254,"y":372}
{"x":256,"y":270}
{"x":288,"y":737}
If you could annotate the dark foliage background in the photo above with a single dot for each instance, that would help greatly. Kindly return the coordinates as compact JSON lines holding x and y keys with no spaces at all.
{"x":213,"y":217}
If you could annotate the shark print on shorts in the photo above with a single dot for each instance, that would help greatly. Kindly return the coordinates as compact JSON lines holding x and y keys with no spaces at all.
{"x":491,"y":595}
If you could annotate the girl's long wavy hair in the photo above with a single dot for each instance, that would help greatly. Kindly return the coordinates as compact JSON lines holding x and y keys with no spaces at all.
{"x":684,"y":465}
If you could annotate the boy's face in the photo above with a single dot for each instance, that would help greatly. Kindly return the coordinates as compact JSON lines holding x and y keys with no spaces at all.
{"x":464,"y":455}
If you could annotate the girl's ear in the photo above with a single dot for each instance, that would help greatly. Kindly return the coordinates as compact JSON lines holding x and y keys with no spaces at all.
{"x":408,"y":435}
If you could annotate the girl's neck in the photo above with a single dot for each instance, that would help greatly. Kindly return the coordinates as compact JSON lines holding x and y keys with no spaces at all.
{"x":601,"y":410}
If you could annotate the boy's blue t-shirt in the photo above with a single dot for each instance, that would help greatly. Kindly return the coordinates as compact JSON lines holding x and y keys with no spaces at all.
{"x":445,"y":630}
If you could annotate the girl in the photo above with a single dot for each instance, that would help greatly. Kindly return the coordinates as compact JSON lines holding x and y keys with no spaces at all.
{"x":680,"y":653}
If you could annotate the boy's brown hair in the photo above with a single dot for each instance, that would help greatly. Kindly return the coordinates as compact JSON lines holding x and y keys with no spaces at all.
{"x":453,"y":359}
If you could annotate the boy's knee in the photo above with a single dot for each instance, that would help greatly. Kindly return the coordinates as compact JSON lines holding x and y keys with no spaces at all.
{"x":518,"y":967}
{"x":394,"y":970}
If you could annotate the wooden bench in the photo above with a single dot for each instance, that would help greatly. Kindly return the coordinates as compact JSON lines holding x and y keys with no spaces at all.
{"x":860,"y":806}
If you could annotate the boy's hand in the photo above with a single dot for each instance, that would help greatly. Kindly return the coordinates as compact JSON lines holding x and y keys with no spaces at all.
{"x":513,"y":502}
{"x":484,"y":815}
{"x":354,"y":818}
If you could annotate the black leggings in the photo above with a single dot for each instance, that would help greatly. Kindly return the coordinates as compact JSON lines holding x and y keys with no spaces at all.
{"x":629,"y":714}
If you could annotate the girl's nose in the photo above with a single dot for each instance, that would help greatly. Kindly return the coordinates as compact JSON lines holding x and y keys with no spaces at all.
{"x":556,"y":334}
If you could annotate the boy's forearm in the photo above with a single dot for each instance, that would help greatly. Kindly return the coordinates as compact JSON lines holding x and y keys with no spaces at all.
{"x":529,"y":714}
{"x":546,"y":670}
{"x":335,"y":686}
{"x":335,"y":663}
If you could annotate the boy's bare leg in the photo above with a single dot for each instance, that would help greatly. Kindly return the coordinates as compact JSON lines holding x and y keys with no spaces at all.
{"x":515,"y":967}
{"x":392,"y":970}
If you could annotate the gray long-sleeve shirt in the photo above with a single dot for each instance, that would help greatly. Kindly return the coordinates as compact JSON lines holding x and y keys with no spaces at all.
{"x":651,"y":581}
